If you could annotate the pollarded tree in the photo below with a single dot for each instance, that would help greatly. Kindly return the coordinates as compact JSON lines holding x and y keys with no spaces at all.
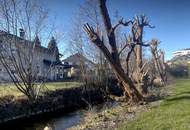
{"x":134,"y":44}
{"x":112,"y":55}
{"x":140,"y":73}
{"x":158,"y":60}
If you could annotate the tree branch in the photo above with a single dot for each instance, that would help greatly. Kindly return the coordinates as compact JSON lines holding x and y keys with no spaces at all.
{"x":105,"y":15}
{"x":92,"y":35}
{"x":126,"y":45}
{"x":142,"y":44}
{"x":121,"y":22}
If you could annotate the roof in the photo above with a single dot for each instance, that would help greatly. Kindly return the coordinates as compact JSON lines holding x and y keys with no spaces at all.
{"x":182,"y":50}
{"x":41,"y":48}
{"x":57,"y":63}
{"x":78,"y":58}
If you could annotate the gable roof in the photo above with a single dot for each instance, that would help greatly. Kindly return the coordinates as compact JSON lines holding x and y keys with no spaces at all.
{"x":21,"y":40}
{"x":78,"y":58}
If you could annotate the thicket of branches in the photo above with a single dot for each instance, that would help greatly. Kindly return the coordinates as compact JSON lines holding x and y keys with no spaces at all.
{"x":133,"y":80}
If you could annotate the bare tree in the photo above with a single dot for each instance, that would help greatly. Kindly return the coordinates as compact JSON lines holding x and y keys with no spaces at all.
{"x":140,"y":74}
{"x":80,"y":43}
{"x":77,"y":46}
{"x":113,"y":55}
{"x":158,"y":60}
{"x":133,"y":80}
{"x":21,"y":54}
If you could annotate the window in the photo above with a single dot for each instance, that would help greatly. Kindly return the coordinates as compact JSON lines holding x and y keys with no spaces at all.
{"x":57,"y":70}
{"x":38,"y":69}
{"x":61,"y":75}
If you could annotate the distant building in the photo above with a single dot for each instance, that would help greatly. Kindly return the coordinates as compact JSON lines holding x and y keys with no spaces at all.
{"x":183,"y":52}
{"x":64,"y":71}
{"x":79,"y":60}
{"x":72,"y":66}
{"x":178,"y":65}
{"x":180,"y":57}
{"x":183,"y":59}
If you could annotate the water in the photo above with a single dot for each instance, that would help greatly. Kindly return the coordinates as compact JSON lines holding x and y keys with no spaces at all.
{"x":66,"y":122}
{"x":58,"y":121}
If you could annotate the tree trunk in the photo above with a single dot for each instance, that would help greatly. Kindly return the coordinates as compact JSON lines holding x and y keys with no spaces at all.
{"x":138,"y":51}
{"x":127,"y":84}
{"x":125,"y":81}
{"x":139,"y":76}
{"x":112,"y":56}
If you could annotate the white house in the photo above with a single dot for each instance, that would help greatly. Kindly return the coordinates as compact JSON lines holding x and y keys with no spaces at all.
{"x":181,"y":52}
{"x":43,"y":57}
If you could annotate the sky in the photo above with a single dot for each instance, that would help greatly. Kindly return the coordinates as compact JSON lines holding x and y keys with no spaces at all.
{"x":171,"y":18}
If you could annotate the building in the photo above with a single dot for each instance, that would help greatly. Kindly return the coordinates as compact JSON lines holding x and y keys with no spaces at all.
{"x":65,"y":71}
{"x":79,"y":60}
{"x":180,"y":57}
{"x":182,"y":52}
{"x":72,"y":66}
{"x":178,"y":65}
{"x":44,"y":60}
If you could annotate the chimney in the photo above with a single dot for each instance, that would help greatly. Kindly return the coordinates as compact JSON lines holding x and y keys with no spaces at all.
{"x":22,"y":33}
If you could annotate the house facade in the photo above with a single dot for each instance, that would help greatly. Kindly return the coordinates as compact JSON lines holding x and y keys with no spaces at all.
{"x":43,"y":59}
{"x":46,"y":62}
{"x":72,"y":67}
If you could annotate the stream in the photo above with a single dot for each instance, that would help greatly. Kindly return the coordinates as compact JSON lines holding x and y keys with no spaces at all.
{"x":58,"y":121}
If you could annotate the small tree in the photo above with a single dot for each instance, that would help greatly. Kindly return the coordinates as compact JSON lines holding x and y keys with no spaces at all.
{"x":88,"y":11}
{"x":19,"y":55}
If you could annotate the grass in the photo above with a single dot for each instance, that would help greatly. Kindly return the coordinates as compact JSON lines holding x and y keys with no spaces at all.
{"x":173,"y":113}
{"x":10,"y":89}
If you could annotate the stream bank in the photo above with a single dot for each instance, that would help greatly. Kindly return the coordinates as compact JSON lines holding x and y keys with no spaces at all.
{"x":65,"y":100}
{"x":13,"y":110}
{"x":58,"y":120}
{"x":112,"y":118}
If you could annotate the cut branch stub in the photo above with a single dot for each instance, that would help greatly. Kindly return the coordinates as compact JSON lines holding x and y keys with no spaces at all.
{"x":92,"y":34}
{"x":142,"y":21}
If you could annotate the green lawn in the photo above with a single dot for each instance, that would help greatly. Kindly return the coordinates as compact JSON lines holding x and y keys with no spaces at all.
{"x":172,"y":114}
{"x":10,"y":89}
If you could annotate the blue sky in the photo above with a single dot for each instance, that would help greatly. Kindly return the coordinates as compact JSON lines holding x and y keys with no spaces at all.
{"x":171,"y":18}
